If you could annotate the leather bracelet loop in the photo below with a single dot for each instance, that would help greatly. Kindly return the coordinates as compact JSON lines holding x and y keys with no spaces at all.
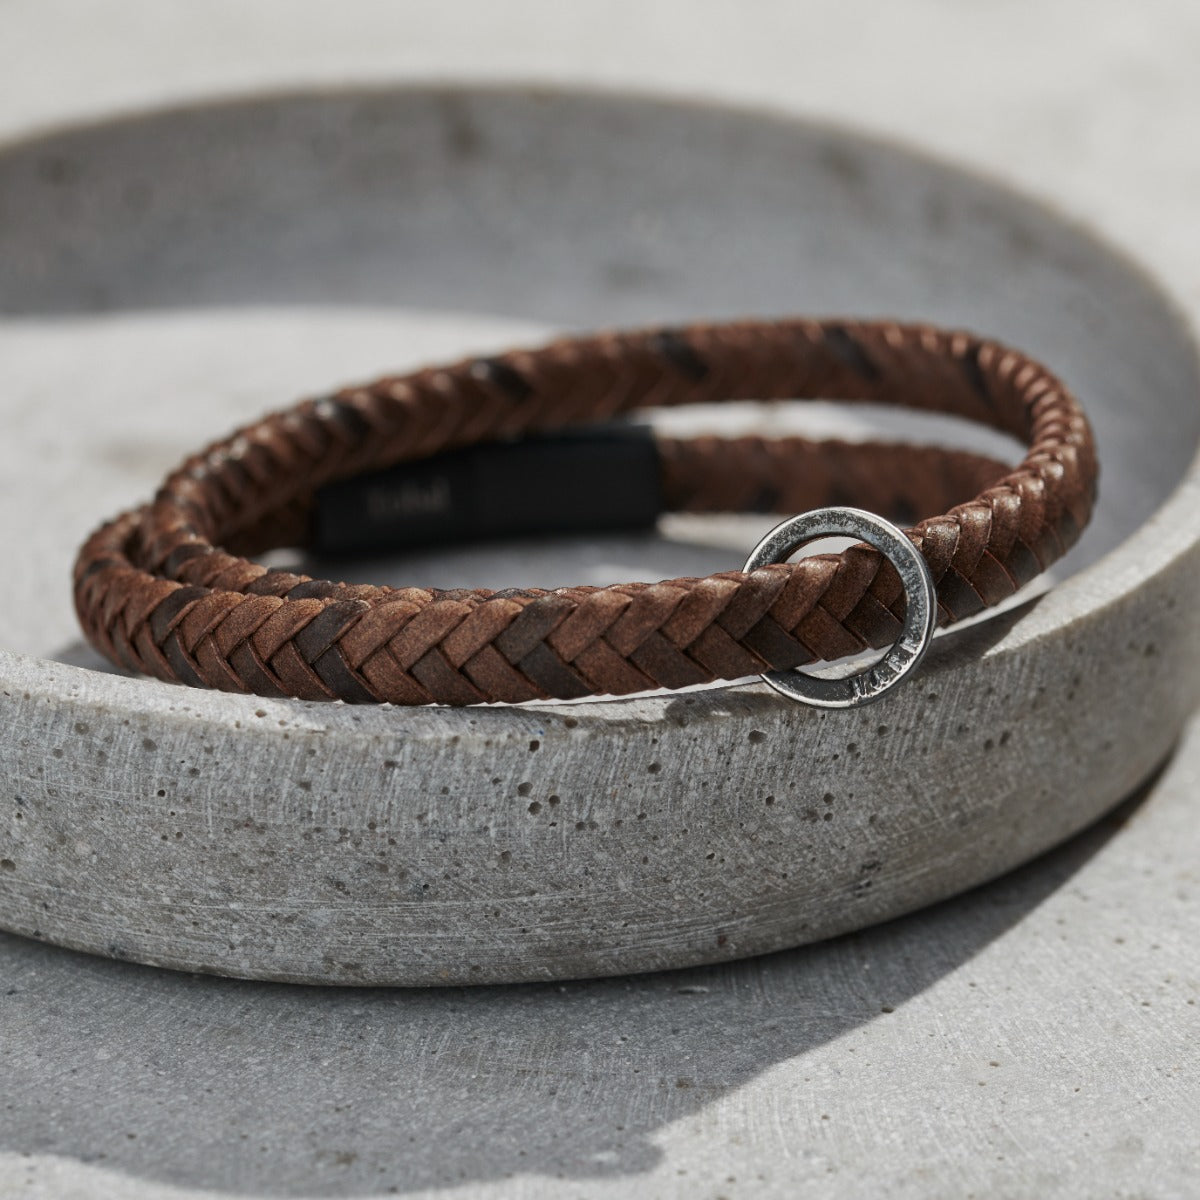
{"x":169,"y":590}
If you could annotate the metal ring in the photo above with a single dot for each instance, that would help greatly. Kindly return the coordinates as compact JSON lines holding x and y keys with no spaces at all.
{"x":920,"y":615}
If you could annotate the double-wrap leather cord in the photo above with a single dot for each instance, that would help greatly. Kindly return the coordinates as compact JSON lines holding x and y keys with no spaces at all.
{"x":167,"y":589}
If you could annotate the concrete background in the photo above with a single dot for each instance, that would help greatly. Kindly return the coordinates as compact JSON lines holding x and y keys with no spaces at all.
{"x":1036,"y":1038}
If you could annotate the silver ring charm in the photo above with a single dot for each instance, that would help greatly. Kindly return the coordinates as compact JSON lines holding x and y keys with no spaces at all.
{"x":920,"y":614}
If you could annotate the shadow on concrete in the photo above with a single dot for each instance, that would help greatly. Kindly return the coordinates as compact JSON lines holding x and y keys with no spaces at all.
{"x":263,"y":1089}
{"x":434,"y":199}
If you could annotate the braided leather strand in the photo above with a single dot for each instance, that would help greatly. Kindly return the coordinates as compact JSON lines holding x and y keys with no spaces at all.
{"x":166,"y":589}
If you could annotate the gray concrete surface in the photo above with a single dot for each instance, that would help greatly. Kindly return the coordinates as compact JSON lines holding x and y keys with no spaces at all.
{"x":1034,"y":1038}
{"x":373,"y":845}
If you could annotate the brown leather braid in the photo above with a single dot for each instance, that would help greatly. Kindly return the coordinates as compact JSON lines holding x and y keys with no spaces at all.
{"x":156,"y":594}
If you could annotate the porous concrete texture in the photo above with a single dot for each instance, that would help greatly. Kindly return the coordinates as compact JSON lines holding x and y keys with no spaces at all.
{"x":315,"y":843}
{"x":1033,"y":1037}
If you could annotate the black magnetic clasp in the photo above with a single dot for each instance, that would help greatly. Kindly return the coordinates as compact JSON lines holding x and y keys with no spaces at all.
{"x":601,"y":477}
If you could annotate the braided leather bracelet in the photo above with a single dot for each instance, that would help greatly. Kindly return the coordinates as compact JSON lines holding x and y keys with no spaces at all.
{"x":166,"y":589}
